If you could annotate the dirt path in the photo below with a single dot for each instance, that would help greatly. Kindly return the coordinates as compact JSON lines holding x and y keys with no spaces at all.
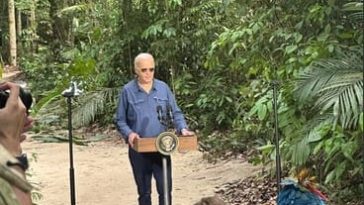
{"x":103,"y":174}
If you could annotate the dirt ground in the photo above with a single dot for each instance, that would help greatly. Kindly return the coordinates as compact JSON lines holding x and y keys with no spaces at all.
{"x":103,"y":174}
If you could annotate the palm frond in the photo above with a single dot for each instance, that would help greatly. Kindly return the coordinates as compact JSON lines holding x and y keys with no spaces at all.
{"x":356,"y":10}
{"x":318,"y":119}
{"x":357,"y":17}
{"x":43,"y":103}
{"x":73,"y":9}
{"x":92,"y":104}
{"x":300,"y":151}
{"x":353,"y":6}
{"x":204,"y":6}
{"x":335,"y":84}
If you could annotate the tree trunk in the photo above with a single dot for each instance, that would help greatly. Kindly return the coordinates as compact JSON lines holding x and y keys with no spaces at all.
{"x":18,"y":24}
{"x":33,"y":27}
{"x":19,"y":28}
{"x":126,"y":10}
{"x":71,"y":35}
{"x":12,"y":32}
{"x":60,"y":26}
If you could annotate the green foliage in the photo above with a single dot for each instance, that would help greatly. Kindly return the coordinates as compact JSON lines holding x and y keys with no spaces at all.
{"x":355,"y":9}
{"x":217,"y":104}
{"x":262,"y":107}
{"x":43,"y":75}
{"x":333,"y":88}
{"x":93,"y":104}
{"x":264,"y":42}
{"x":221,"y":59}
{"x":50,"y":75}
{"x":48,"y":98}
{"x":335,"y":84}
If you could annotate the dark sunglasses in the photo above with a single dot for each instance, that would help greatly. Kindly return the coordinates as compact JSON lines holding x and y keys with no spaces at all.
{"x":145,"y":70}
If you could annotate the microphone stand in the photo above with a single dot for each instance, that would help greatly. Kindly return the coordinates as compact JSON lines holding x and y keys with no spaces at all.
{"x":275,"y":85}
{"x":71,"y":92}
{"x":167,"y":121}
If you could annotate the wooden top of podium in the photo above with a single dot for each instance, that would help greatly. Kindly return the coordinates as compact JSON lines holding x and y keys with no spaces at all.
{"x":186,"y":143}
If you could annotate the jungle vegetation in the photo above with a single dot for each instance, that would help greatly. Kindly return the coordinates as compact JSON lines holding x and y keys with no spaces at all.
{"x":222,"y":59}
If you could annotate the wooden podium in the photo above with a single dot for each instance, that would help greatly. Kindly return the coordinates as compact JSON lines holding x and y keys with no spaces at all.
{"x":186,"y":143}
{"x":166,"y":143}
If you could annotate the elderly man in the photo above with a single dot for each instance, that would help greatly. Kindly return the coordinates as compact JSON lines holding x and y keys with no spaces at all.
{"x":137,"y":117}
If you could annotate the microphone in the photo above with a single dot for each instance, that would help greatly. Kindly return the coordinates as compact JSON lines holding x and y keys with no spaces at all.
{"x":170,"y":113}
{"x":73,"y":90}
{"x":159,"y":111}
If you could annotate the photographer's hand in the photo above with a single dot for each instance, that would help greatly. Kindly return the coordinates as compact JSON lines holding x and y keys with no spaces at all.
{"x":12,"y":118}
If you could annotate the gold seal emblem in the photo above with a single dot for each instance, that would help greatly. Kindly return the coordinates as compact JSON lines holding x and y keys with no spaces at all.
{"x":166,"y":143}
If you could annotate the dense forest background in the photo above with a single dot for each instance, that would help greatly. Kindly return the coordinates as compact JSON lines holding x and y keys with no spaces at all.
{"x":223,"y":59}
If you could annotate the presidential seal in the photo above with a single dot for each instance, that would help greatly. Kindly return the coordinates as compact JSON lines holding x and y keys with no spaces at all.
{"x":166,"y":143}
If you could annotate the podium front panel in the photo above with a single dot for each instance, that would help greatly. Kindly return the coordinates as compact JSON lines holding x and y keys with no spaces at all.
{"x":186,"y":143}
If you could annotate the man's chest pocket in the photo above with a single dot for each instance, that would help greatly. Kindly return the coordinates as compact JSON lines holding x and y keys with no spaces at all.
{"x":161,"y":101}
{"x":135,"y":107}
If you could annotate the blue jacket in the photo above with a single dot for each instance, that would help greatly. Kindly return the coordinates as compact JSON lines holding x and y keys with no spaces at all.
{"x":137,"y":110}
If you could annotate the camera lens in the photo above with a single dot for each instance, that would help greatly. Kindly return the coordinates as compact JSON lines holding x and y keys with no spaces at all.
{"x":25,"y":97}
{"x":3,"y":97}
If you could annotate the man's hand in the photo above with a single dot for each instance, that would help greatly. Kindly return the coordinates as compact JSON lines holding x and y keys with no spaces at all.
{"x":12,"y":118}
{"x":132,"y":136}
{"x":186,"y":132}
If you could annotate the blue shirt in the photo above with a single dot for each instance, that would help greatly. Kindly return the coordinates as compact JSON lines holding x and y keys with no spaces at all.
{"x":137,"y":110}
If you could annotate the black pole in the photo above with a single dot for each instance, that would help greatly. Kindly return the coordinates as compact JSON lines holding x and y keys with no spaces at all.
{"x":72,"y":91}
{"x":276,"y":135}
{"x":362,"y":156}
{"x":167,"y":121}
{"x":70,"y":138}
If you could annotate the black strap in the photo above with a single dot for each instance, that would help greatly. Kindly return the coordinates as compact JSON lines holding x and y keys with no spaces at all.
{"x":22,"y":162}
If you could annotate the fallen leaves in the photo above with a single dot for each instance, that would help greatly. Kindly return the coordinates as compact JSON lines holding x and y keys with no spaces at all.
{"x":249,"y":191}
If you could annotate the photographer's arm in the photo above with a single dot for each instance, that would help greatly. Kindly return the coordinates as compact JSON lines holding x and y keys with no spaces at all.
{"x":23,"y":197}
{"x":14,"y":187}
{"x":12,"y":123}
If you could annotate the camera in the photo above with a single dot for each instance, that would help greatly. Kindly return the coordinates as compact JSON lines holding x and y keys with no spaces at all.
{"x":25,"y":97}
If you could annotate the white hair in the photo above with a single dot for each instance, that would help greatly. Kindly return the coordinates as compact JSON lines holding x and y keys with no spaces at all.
{"x":140,"y":57}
